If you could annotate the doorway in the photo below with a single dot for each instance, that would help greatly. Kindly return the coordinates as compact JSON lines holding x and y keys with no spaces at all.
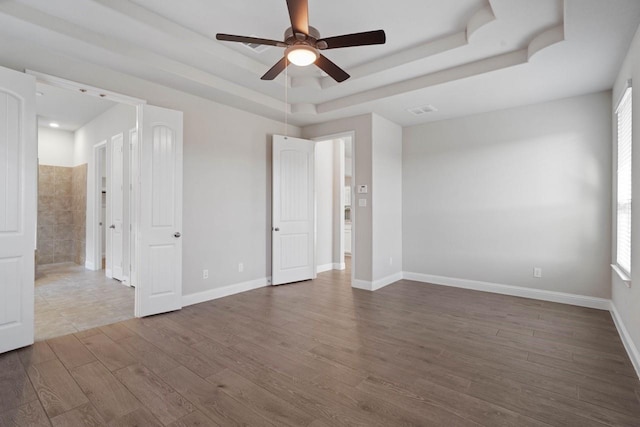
{"x":73,"y":288}
{"x":334,"y":215}
{"x":157,"y":193}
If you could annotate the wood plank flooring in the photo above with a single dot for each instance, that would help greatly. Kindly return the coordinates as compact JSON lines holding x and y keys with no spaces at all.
{"x":320,"y":354}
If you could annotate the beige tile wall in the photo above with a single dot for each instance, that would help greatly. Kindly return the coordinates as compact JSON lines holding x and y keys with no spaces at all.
{"x":58,"y":217}
{"x":79,"y":211}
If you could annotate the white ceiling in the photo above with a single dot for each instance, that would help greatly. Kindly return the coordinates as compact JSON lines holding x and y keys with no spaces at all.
{"x":71,"y":110}
{"x":462,"y":57}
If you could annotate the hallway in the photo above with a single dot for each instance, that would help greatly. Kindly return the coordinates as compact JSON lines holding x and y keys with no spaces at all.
{"x":69,"y":299}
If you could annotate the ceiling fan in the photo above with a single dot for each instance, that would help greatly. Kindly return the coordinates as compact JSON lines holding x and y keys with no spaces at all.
{"x":302,"y":43}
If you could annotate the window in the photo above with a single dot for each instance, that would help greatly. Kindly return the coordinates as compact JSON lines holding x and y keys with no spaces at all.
{"x":623,"y":246}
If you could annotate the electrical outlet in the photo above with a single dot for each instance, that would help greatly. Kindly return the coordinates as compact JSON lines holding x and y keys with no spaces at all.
{"x":390,"y":261}
{"x":205,"y":274}
{"x":537,"y":272}
{"x":240,"y":267}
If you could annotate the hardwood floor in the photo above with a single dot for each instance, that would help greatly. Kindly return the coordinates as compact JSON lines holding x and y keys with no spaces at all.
{"x":70,"y":298}
{"x":321,"y":354}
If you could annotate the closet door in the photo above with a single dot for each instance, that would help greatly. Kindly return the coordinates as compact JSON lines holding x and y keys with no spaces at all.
{"x":18,"y":185}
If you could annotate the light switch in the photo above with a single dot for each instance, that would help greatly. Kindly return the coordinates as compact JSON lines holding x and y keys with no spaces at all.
{"x":363,"y":189}
{"x":362,"y":203}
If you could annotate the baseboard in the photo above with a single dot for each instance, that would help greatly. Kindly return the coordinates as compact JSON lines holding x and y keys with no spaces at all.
{"x":376,"y":284}
{"x":224,"y":291}
{"x":324,"y":267}
{"x":631,"y":348}
{"x":517,"y":291}
{"x":89,"y":265}
{"x":328,"y":267}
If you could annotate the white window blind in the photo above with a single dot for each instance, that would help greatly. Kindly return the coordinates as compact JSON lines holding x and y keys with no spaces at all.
{"x":623,"y":247}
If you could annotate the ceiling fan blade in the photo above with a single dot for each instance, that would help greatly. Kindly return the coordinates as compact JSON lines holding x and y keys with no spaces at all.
{"x":276,"y":69}
{"x":356,"y":39}
{"x":299,"y":14}
{"x":252,"y":40}
{"x":337,"y":73}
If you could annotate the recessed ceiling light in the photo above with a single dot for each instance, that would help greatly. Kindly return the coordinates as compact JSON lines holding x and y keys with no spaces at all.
{"x":418,"y":111}
{"x":54,"y":125}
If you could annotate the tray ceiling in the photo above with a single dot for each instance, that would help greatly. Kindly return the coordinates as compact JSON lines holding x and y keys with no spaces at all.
{"x":460,"y":57}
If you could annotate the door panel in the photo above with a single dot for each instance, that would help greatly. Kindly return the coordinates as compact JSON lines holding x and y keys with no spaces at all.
{"x":133,"y":170}
{"x":116,"y":195}
{"x":293,"y":214}
{"x":159,"y":257}
{"x":18,"y":177}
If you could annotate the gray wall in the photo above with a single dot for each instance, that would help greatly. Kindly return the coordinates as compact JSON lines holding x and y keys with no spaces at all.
{"x":627,"y":300}
{"x":387,"y":198}
{"x":489,"y":197}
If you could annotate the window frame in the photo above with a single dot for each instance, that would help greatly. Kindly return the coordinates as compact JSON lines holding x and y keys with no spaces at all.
{"x":624,"y":111}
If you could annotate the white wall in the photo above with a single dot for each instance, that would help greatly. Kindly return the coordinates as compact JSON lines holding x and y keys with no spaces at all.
{"x":386,"y":202}
{"x":55,"y":147}
{"x":489,"y":197}
{"x":627,"y":300}
{"x":117,"y":120}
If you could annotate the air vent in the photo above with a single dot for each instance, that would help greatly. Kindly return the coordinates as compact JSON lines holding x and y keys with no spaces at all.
{"x":257,"y":48}
{"x":418,"y":111}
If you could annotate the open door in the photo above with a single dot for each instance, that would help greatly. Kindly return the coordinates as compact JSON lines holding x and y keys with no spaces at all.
{"x":115,"y":204}
{"x":18,"y":185}
{"x":159,"y":212}
{"x":292,"y":235}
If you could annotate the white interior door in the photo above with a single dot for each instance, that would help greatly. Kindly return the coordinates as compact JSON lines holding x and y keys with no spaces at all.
{"x":159,"y":213}
{"x":18,"y":186}
{"x":133,"y":170}
{"x":116,"y":197}
{"x":292,"y":233}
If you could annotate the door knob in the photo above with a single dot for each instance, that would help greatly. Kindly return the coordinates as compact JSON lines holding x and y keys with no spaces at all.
{"x":177,"y":234}
{"x":276,"y":229}
{"x":112,"y":226}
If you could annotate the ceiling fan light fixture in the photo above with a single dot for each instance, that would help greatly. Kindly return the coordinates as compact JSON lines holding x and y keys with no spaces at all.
{"x":302,"y":55}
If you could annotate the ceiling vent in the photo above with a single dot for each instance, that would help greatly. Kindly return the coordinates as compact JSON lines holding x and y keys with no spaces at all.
{"x":257,"y":48}
{"x":418,"y":111}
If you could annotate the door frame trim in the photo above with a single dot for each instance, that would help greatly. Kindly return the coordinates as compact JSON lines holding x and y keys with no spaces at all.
{"x":96,"y":264}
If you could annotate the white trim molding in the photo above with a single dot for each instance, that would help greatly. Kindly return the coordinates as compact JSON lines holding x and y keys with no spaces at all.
{"x":631,"y":348}
{"x":324,"y":267}
{"x":517,"y":291}
{"x":376,"y":284}
{"x":622,"y":275}
{"x":224,"y":291}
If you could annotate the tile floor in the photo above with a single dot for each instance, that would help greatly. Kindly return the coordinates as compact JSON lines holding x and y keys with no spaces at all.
{"x":71,"y":299}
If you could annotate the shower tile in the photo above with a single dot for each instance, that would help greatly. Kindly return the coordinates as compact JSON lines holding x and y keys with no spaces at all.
{"x":46,"y":218}
{"x":45,"y":203}
{"x":46,"y":232}
{"x":64,"y":217}
{"x":64,"y":232}
{"x":46,"y":187}
{"x":62,"y":175}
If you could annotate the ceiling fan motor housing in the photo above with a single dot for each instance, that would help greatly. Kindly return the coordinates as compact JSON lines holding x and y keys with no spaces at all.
{"x":291,"y":38}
